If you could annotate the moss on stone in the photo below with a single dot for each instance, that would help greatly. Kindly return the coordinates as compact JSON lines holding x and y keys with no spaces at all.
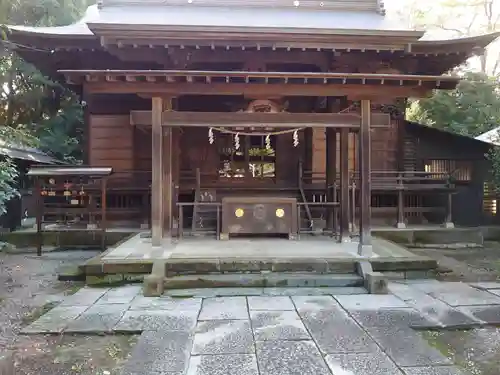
{"x":63,"y":238}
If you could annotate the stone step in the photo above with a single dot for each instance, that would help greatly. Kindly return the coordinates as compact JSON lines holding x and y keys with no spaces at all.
{"x":271,"y":279}
{"x":177,"y":267}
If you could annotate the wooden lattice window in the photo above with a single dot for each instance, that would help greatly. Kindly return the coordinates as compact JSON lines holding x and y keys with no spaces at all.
{"x":461,"y":170}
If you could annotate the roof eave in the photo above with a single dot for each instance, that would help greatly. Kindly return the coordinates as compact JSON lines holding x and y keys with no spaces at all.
{"x":152,"y":30}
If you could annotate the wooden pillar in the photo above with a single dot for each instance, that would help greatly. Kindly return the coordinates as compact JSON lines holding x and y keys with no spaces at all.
{"x":344,"y":185}
{"x":39,"y":216}
{"x":449,"y":207}
{"x":331,"y":175}
{"x":401,"y":203}
{"x":365,"y":240}
{"x":157,"y":171}
{"x":104,"y":209}
{"x":176,"y":164}
{"x":168,"y":180}
{"x":401,"y":210}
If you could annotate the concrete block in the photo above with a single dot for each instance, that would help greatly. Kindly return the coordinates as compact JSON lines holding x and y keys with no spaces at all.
{"x":300,"y":265}
{"x":187,"y":266}
{"x":153,"y":286}
{"x":376,"y":283}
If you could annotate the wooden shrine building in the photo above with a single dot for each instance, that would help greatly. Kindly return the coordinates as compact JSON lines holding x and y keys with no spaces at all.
{"x":252,"y":117}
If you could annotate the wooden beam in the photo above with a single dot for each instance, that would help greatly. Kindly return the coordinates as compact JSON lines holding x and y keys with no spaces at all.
{"x":256,"y":90}
{"x":157,"y":172}
{"x":344,"y":185}
{"x":365,"y":240}
{"x":258,"y":120}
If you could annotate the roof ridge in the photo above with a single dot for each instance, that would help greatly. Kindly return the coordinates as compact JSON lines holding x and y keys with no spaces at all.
{"x":341,"y":5}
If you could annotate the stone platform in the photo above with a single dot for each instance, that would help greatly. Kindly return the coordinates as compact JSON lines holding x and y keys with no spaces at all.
{"x":280,"y":331}
{"x":134,"y":258}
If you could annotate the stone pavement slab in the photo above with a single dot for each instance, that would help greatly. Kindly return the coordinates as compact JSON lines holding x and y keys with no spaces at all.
{"x":486,"y":314}
{"x":85,"y":297}
{"x":278,"y":325}
{"x":160,"y":352}
{"x":331,"y":327}
{"x":370,"y":301}
{"x":457,"y":293}
{"x":120,"y":295}
{"x":376,"y":363}
{"x":314,"y":291}
{"x":486,"y":285}
{"x":223,"y":337}
{"x":97,"y":318}
{"x":165,"y":303}
{"x":496,"y":292}
{"x":153,"y":320}
{"x":397,"y":318}
{"x":232,"y":364}
{"x":290,"y":358}
{"x":224,"y":308}
{"x":406,"y":347}
{"x":56,"y":320}
{"x":438,"y":370}
{"x":443,"y":315}
{"x":214,"y":292}
{"x":277,"y":303}
{"x":316,"y":303}
{"x":466,"y":296}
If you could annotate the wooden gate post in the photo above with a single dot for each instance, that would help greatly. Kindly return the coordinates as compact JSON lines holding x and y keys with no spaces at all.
{"x":365,"y":237}
{"x":344,"y":185}
{"x":157,"y":172}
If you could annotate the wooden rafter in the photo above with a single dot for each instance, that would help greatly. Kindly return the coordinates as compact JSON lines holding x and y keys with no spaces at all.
{"x":181,"y":76}
{"x":258,"y":84}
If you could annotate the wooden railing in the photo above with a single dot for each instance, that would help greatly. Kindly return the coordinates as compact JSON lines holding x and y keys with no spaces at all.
{"x":407,"y":180}
{"x":212,"y":219}
{"x":129,"y":192}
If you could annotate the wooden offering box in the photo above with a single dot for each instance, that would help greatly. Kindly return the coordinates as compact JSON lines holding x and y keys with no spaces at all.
{"x":259,"y":215}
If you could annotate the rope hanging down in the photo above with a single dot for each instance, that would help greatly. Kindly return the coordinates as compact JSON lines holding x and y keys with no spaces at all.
{"x":211,"y":137}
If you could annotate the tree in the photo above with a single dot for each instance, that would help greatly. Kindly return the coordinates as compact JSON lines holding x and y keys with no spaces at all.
{"x":457,"y":18}
{"x":471,"y":109}
{"x":34,"y":110}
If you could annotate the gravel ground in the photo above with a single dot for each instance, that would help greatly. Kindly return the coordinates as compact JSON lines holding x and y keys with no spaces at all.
{"x":476,"y":350}
{"x":28,"y":287}
{"x":468,"y":265}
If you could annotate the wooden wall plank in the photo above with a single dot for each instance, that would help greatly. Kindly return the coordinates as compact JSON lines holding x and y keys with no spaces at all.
{"x":111,"y":139}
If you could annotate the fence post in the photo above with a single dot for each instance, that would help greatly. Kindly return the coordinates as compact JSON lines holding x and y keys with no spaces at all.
{"x":401,"y":213}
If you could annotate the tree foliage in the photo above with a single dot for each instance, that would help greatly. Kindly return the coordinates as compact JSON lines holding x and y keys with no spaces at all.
{"x":471,"y":109}
{"x":35,"y":111}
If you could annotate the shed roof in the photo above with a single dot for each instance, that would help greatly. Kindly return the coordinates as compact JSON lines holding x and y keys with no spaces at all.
{"x":25,"y":153}
{"x":492,"y":136}
{"x":70,"y":170}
